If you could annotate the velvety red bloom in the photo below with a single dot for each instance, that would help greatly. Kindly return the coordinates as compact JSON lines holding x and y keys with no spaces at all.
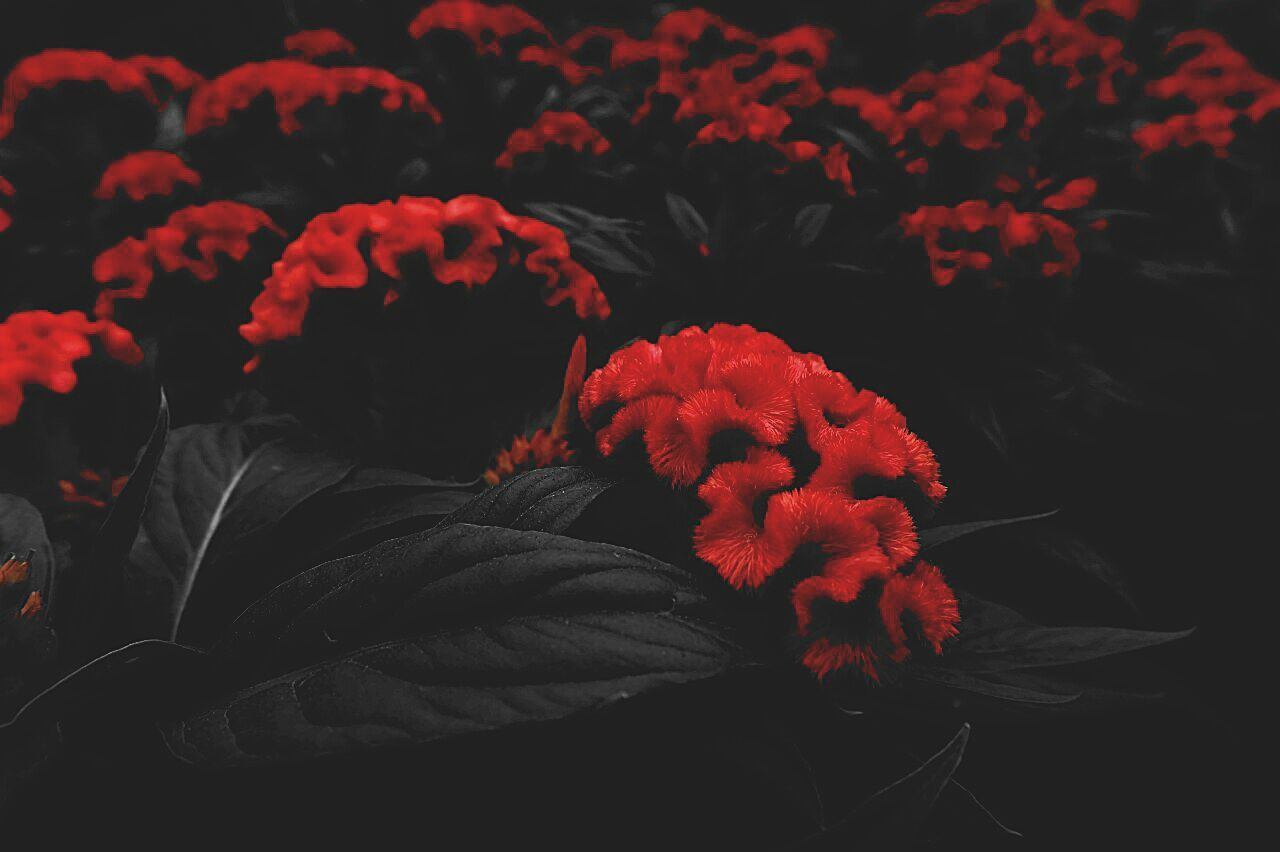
{"x":546,"y":447}
{"x":292,"y":84}
{"x":39,"y":348}
{"x":328,"y":254}
{"x":50,"y":68}
{"x":145,"y":173}
{"x":220,"y":227}
{"x":486,"y":26}
{"x":313,"y":44}
{"x":681,"y":395}
{"x":1217,"y":81}
{"x":1017,"y":229}
{"x":550,"y":127}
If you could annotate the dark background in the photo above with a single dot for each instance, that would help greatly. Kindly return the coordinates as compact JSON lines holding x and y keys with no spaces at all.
{"x":1176,"y":490}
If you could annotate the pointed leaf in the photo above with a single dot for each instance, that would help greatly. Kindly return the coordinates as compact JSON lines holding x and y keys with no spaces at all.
{"x":687,"y":219}
{"x":935,"y":536}
{"x":810,"y":221}
{"x":549,"y":500}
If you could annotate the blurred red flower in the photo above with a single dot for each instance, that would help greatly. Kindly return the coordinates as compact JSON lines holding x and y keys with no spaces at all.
{"x":145,"y":173}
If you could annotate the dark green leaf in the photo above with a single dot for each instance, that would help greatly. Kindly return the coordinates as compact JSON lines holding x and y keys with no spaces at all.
{"x":935,"y":536}
{"x":809,"y":222}
{"x":1002,"y":689}
{"x":218,"y":492}
{"x":688,"y":221}
{"x":452,"y":631}
{"x":549,"y":500}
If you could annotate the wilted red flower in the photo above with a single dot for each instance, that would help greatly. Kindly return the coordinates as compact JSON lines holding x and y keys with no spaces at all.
{"x":486,"y":26}
{"x":1016,"y":229}
{"x":1217,"y":80}
{"x":551,"y":127}
{"x":292,"y":84}
{"x":50,"y":68}
{"x":682,"y":395}
{"x":40,"y":347}
{"x":328,"y":255}
{"x":313,"y":44}
{"x":220,"y":227}
{"x":145,"y":173}
{"x":550,"y":446}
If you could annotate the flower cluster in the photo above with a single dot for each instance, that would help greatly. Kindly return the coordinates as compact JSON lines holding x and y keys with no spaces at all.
{"x":1217,"y":81}
{"x":94,"y":489}
{"x":1016,"y":229}
{"x":40,"y":347}
{"x":314,"y":44}
{"x":484,"y":25}
{"x":292,"y":84}
{"x":804,"y":492}
{"x":1070,"y":44}
{"x":327,"y":254}
{"x":143,"y":174}
{"x":550,"y":446}
{"x":220,"y":227}
{"x":560,"y":128}
{"x":50,"y":68}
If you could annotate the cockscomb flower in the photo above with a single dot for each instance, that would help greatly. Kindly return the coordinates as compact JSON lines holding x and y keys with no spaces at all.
{"x":1070,"y":44}
{"x":550,"y":446}
{"x":220,"y":227}
{"x":145,"y":173}
{"x":328,"y":255}
{"x":1220,"y":84}
{"x":795,"y":469}
{"x":559,"y":128}
{"x":94,"y":489}
{"x":292,"y":84}
{"x":51,"y":68}
{"x":40,"y":348}
{"x":1017,"y":229}
{"x":484,"y":25}
{"x":314,"y":44}
{"x":7,"y":190}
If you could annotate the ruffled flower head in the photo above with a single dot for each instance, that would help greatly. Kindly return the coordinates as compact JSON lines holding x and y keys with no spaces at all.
{"x":315,"y":44}
{"x":552,"y":128}
{"x":797,"y":471}
{"x":144,"y":174}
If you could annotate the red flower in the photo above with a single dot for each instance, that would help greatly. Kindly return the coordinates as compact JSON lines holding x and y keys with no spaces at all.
{"x":955,"y":7}
{"x":145,"y":173}
{"x":486,"y":26}
{"x":98,"y":490}
{"x":50,"y":68}
{"x":328,"y":255}
{"x":679,"y":396}
{"x":14,"y":569}
{"x":1069,"y":43}
{"x":220,"y":227}
{"x":292,"y":84}
{"x":6,"y":189}
{"x":550,"y":446}
{"x":313,"y":44}
{"x":561,"y":128}
{"x":1215,"y":81}
{"x":39,"y":348}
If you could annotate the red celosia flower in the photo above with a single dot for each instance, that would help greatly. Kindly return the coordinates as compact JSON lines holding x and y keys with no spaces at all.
{"x":145,"y":173}
{"x":1068,"y":43}
{"x":855,"y":552}
{"x":39,"y":348}
{"x":49,"y":68}
{"x":486,"y":26}
{"x":292,"y":84}
{"x":313,"y":44}
{"x":1016,"y":229}
{"x":328,"y":255}
{"x":97,"y":489}
{"x":1215,"y":81}
{"x":559,"y":128}
{"x":546,"y":447}
{"x":6,"y":189}
{"x":220,"y":227}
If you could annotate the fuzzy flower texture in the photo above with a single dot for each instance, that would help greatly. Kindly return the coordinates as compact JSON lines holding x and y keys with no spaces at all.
{"x":805,"y":502}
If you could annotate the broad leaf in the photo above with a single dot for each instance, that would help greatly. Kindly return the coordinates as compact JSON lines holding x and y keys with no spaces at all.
{"x":893,"y":817}
{"x":453,"y":631}
{"x":218,"y":491}
{"x":92,"y":621}
{"x":549,"y":500}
